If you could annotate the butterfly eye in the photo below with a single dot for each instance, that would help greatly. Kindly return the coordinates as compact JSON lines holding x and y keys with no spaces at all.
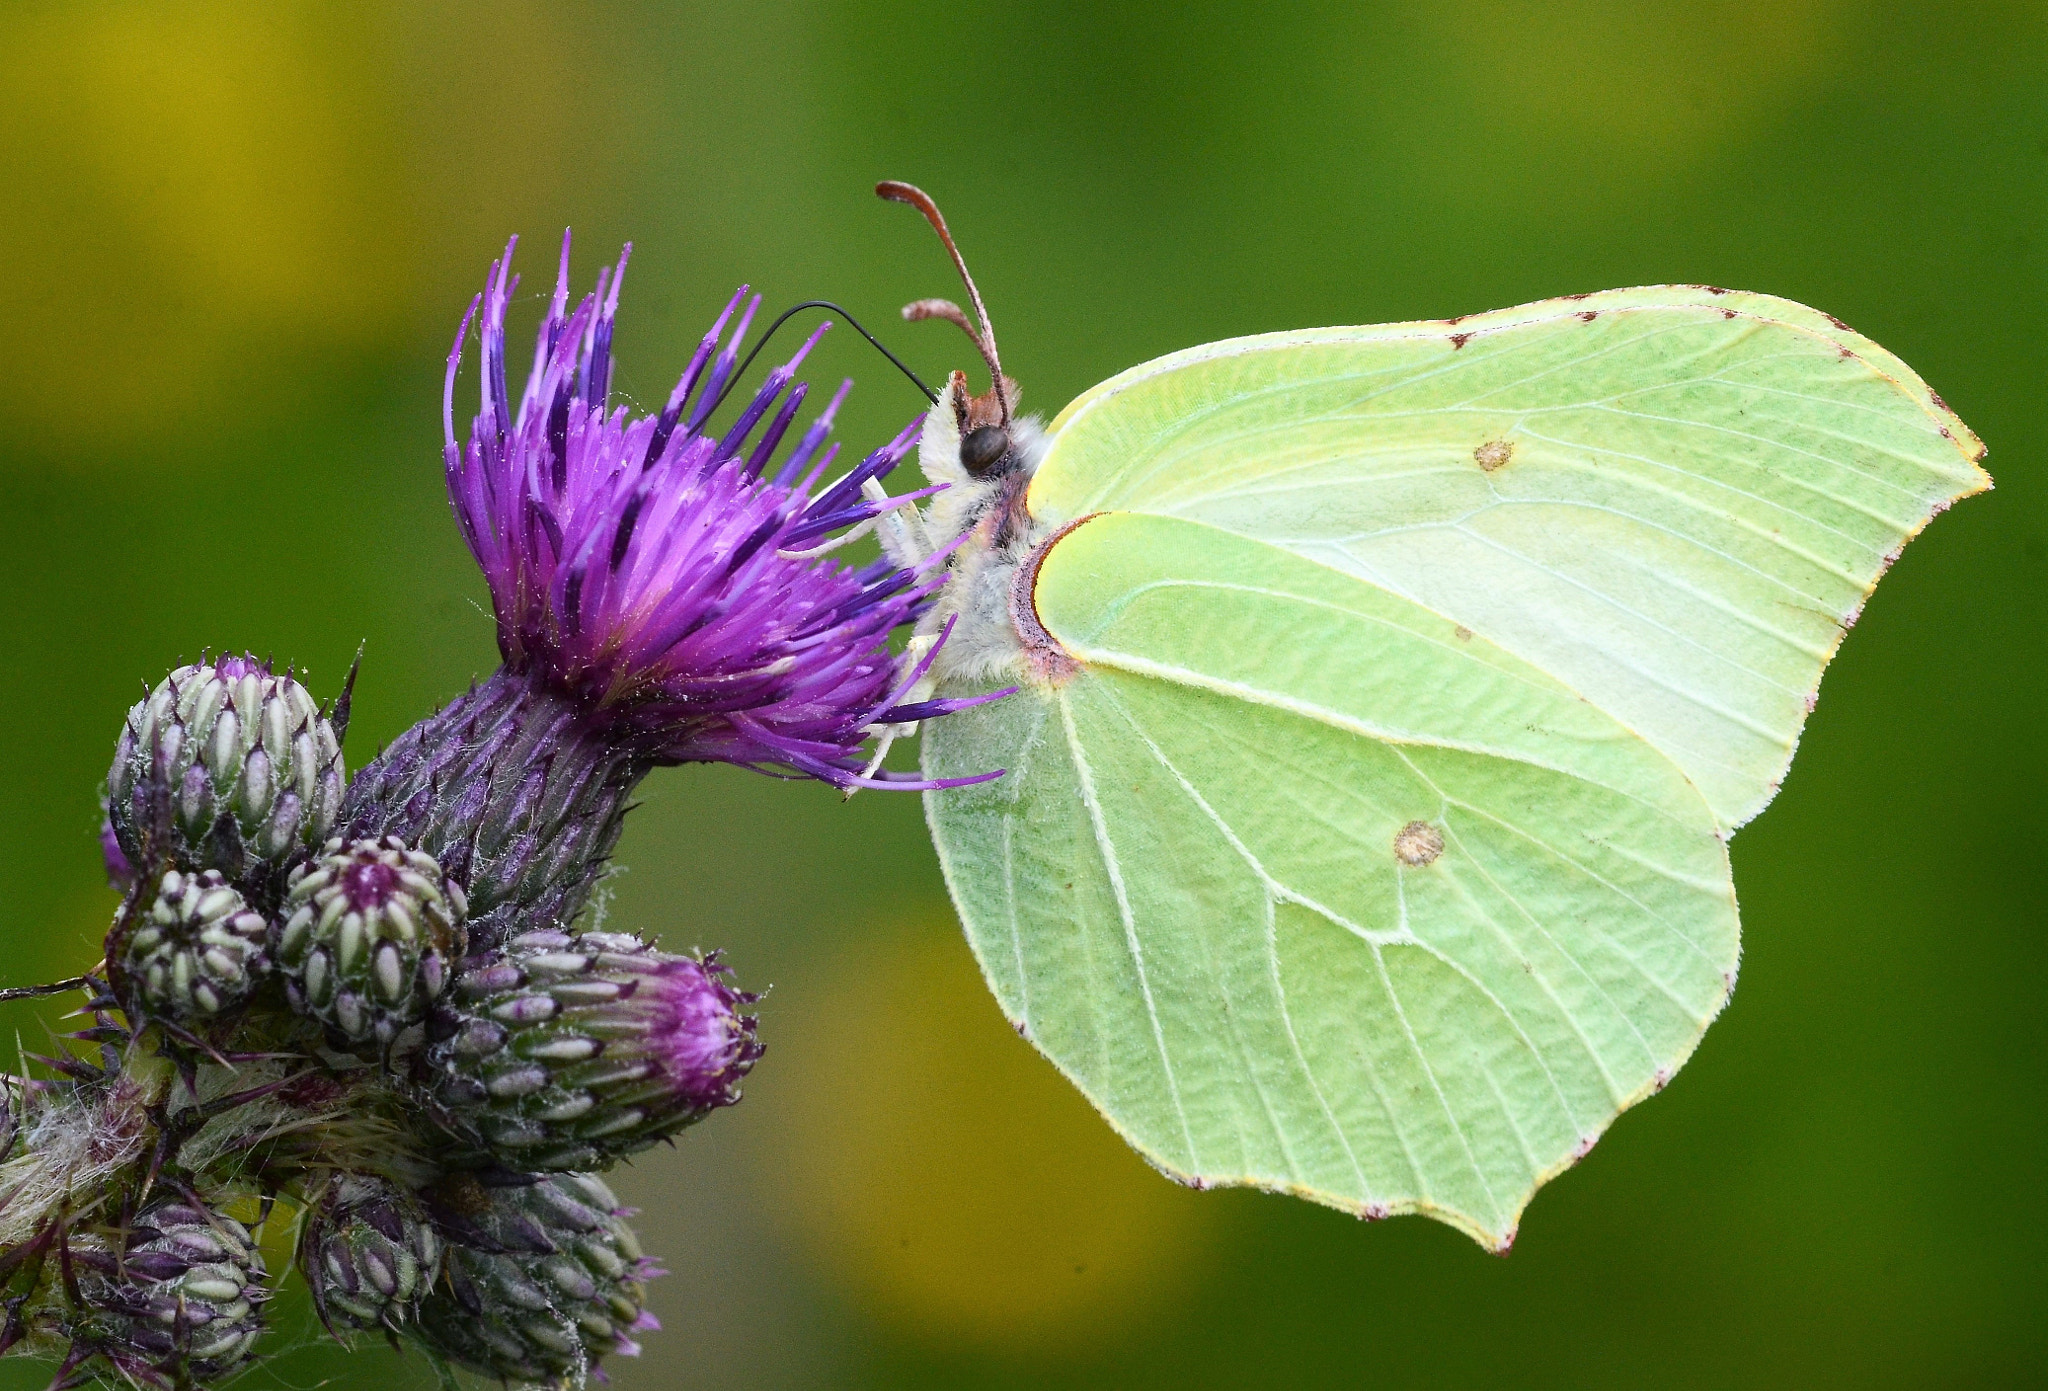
{"x":983,"y":449}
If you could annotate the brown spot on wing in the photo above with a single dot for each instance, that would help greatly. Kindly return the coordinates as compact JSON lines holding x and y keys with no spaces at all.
{"x":1418,"y":843}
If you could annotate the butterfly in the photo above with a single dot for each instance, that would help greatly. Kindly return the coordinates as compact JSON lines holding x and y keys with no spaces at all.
{"x":1386,"y":700}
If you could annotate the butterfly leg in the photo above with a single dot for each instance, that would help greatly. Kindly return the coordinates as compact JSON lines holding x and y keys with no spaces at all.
{"x":902,"y":529}
{"x":888,"y":734}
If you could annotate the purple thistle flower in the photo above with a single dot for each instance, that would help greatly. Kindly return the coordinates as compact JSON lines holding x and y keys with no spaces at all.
{"x":653,"y":571}
{"x":660,"y":598}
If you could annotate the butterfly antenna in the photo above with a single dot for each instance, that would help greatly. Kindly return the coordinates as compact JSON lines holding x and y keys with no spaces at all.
{"x":840,"y":310}
{"x":985,"y":340}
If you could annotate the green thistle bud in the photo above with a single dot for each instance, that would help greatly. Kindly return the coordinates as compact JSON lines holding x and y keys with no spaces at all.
{"x":175,"y":1302}
{"x":234,"y":762}
{"x":368,"y":1253}
{"x":544,"y":1281}
{"x":572,"y":1051}
{"x":371,"y":932}
{"x":196,"y":952}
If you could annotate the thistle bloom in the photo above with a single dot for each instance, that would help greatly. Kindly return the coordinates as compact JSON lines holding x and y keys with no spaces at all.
{"x":368,"y":935}
{"x":195,"y":951}
{"x":656,"y":572}
{"x":233,"y":766}
{"x":368,"y":1253}
{"x":661,"y":597}
{"x":175,"y":1301}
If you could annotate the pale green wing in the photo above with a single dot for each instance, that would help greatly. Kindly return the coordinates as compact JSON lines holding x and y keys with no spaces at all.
{"x":1374,"y":850}
{"x":1311,"y":889}
{"x":1674,"y":500}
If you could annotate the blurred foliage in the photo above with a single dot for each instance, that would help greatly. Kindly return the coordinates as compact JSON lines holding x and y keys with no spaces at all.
{"x":237,"y":238}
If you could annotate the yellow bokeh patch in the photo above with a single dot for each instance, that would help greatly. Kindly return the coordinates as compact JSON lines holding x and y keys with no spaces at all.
{"x":190,"y":186}
{"x":944,"y":1175}
{"x":201,"y":196}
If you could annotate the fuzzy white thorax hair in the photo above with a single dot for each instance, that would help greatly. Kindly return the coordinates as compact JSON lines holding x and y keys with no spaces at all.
{"x":989,"y":512}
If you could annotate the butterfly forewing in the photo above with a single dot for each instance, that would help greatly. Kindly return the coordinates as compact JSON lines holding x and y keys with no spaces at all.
{"x":1674,"y":501}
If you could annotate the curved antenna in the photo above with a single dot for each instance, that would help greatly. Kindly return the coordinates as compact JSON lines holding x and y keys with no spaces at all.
{"x":784,"y":317}
{"x":917,"y":198}
{"x":921,"y":309}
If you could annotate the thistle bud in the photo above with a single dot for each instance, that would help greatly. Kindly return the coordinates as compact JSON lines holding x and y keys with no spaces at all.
{"x":235,"y":763}
{"x":546,"y":1280}
{"x":370,"y":934}
{"x":197,"y":950}
{"x":368,"y":1253}
{"x":179,"y":1303}
{"x":571,"y":1052}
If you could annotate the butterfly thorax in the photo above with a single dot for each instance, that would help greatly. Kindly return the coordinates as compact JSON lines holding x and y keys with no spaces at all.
{"x":986,"y":463}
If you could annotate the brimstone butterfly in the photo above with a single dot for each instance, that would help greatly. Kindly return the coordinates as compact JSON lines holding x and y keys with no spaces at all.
{"x":1388,"y":697}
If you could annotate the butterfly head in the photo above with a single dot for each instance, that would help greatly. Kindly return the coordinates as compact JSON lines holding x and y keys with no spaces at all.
{"x":973,"y":442}
{"x":986,"y":447}
{"x":985,"y":453}
{"x":985,"y":430}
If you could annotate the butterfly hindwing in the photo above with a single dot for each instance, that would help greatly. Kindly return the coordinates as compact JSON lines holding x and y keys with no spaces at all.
{"x":1290,"y":925}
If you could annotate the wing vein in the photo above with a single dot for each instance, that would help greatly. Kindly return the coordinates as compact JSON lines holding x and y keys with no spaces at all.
{"x":1111,"y":866}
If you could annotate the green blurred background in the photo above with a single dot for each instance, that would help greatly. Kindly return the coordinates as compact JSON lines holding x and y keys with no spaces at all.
{"x":235,"y":242}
